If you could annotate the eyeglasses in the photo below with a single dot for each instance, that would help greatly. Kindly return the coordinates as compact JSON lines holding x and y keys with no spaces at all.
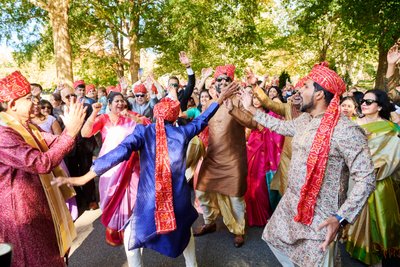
{"x":70,"y":95}
{"x":44,"y":107}
{"x":174,"y":85}
{"x":139,"y":95}
{"x":226,"y":78}
{"x":368,"y":102}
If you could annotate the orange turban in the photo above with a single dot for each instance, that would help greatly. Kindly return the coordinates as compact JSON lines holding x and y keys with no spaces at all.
{"x":78,"y":83}
{"x":318,"y":157}
{"x":166,"y":109}
{"x":228,"y":70}
{"x":140,"y":88}
{"x":89,"y":88}
{"x":14,"y":86}
{"x":112,"y":88}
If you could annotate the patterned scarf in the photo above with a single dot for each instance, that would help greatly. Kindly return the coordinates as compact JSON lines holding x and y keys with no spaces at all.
{"x":318,"y":157}
{"x":166,"y":109}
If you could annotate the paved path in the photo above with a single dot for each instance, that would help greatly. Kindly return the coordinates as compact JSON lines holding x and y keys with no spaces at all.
{"x":216,"y":249}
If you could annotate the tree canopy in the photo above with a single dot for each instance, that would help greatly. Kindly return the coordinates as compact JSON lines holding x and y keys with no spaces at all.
{"x":107,"y":38}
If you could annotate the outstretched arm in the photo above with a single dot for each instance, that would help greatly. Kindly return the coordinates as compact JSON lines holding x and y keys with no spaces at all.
{"x":122,"y":152}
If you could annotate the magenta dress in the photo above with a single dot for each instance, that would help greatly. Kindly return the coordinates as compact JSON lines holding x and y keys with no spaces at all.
{"x":25,"y":217}
{"x":118,"y":186}
{"x":263,"y":154}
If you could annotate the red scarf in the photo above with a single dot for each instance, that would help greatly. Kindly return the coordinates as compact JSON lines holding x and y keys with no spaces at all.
{"x":166,"y":109}
{"x":318,"y":157}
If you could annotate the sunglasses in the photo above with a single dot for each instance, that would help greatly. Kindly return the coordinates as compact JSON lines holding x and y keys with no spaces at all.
{"x":44,"y":107}
{"x":368,"y":102}
{"x":174,"y":85}
{"x":139,"y":95}
{"x":225,"y":78}
{"x":70,"y":95}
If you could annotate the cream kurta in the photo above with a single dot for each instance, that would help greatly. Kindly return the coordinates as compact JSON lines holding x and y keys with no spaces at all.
{"x":348,"y":156}
{"x":224,"y":168}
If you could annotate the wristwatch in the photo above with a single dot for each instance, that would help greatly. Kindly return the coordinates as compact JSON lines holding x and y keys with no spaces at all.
{"x":342,"y":221}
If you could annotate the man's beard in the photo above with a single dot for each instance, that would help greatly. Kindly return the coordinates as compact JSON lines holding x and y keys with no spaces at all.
{"x":309,"y":106}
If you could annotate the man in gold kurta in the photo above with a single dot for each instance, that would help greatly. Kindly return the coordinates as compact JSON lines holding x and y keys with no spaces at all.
{"x":327,"y":149}
{"x":290,"y":111}
{"x":222,"y":178}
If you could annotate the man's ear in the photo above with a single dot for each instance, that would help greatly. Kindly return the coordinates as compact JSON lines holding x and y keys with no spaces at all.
{"x":319,"y":95}
{"x":11,"y":105}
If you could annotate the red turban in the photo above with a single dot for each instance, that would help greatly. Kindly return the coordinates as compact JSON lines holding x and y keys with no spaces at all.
{"x":89,"y":88}
{"x":14,"y":86}
{"x":140,"y":88}
{"x":327,"y":78}
{"x":111,"y":88}
{"x":228,"y":70}
{"x":301,"y":82}
{"x":78,"y":83}
{"x":166,"y":109}
{"x":318,"y":157}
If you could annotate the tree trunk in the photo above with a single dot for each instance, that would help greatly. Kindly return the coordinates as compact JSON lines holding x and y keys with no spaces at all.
{"x":382,"y":65}
{"x":58,"y":13}
{"x":134,"y":60}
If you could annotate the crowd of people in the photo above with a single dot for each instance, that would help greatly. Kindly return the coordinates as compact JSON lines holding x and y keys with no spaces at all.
{"x":315,"y":164}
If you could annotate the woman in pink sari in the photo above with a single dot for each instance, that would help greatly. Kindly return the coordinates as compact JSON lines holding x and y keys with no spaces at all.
{"x":263,"y":154}
{"x":118,"y":186}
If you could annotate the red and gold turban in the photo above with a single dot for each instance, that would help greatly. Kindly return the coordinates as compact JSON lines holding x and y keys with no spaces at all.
{"x":301,"y":82}
{"x":166,"y":109}
{"x":140,"y":88}
{"x":228,"y":70}
{"x":89,"y":88}
{"x":78,"y":83}
{"x":14,"y":86}
{"x":318,"y":157}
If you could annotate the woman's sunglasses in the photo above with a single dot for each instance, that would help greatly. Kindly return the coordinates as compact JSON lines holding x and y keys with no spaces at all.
{"x":368,"y":102}
{"x":70,"y":95}
{"x":44,"y":107}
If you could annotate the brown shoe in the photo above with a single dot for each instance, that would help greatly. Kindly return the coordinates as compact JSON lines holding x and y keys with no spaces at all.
{"x":205,"y":229}
{"x":238,"y":241}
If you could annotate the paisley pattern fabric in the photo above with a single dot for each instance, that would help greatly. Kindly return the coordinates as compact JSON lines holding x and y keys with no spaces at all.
{"x":348,"y":157}
{"x":14,"y":86}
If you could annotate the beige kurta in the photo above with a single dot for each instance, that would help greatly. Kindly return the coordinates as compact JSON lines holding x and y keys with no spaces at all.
{"x":224,"y":168}
{"x":348,"y":156}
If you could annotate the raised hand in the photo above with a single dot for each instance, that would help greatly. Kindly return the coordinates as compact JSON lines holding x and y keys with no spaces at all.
{"x":96,"y":107}
{"x":206,"y":72}
{"x":184,"y":59}
{"x":73,"y":118}
{"x":251,"y":78}
{"x":247,"y":99}
{"x":393,"y":56}
{"x":123,"y":82}
{"x":148,"y":84}
{"x":228,"y":91}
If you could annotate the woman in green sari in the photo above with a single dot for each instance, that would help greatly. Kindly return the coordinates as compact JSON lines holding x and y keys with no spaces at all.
{"x":376,"y":233}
